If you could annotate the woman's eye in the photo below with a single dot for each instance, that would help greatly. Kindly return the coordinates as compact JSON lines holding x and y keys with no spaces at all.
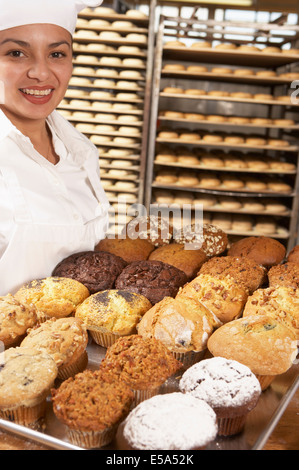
{"x":15,"y":53}
{"x":58,"y":55}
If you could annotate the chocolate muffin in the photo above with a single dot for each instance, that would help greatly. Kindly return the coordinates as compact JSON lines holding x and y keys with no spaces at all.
{"x":153,"y":279}
{"x":97,"y":270}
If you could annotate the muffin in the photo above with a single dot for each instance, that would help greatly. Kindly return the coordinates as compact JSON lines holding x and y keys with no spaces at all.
{"x":173,"y":421}
{"x":91,"y":408}
{"x":142,"y":363}
{"x":286,"y":274}
{"x":112,"y":313}
{"x":128,"y":249}
{"x":183,"y":325}
{"x":262,"y":343}
{"x":211,"y":239}
{"x":97,"y":270}
{"x":281,"y":302}
{"x":55,"y":297}
{"x":157,"y":230}
{"x":188,"y":261}
{"x":293,"y":256}
{"x":15,"y":319}
{"x":245,"y":271}
{"x":26,"y":377}
{"x":65,"y":339}
{"x":224,"y":297}
{"x":153,"y":279}
{"x":229,"y":388}
{"x":263,"y":250}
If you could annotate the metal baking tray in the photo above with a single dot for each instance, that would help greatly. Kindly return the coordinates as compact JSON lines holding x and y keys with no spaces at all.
{"x":260,"y":423}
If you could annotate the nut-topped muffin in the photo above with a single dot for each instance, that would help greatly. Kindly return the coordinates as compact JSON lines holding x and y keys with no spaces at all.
{"x":286,"y":274}
{"x":15,"y":319}
{"x":64,"y":339}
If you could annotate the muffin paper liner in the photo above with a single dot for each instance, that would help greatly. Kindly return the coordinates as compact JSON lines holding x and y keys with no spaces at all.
{"x":66,"y":371}
{"x":104,"y":339}
{"x":189,"y":358}
{"x":265,"y":380}
{"x":141,"y":395}
{"x":231,"y":426}
{"x":31,"y":416}
{"x":92,"y":439}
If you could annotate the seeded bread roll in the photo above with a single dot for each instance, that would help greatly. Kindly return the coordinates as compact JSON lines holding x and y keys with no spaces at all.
{"x":224,"y":297}
{"x":244,"y":270}
{"x":211,"y":239}
{"x":263,"y":250}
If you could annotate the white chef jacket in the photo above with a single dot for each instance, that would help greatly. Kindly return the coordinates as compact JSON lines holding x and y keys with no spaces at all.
{"x":47,"y":211}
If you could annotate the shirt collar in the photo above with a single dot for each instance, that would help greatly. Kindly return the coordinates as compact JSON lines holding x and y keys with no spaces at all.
{"x":76,"y":143}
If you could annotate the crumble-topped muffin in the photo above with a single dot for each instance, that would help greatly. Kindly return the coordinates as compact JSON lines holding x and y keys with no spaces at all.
{"x":91,"y":407}
{"x":281,"y":302}
{"x":15,"y":319}
{"x":112,"y":313}
{"x":153,"y":279}
{"x":97,"y":270}
{"x":64,"y":339}
{"x":142,"y":363}
{"x":286,"y":274}
{"x":55,"y":297}
{"x":229,"y":387}
{"x":173,"y":421}
{"x":245,"y":271}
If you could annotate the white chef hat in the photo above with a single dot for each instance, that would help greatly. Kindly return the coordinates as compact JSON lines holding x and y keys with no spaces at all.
{"x":59,"y":12}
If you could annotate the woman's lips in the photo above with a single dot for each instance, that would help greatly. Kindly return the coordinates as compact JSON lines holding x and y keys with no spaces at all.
{"x":37,"y":95}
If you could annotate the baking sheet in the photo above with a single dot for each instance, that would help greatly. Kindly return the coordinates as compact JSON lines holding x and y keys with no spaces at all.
{"x":260,"y":423}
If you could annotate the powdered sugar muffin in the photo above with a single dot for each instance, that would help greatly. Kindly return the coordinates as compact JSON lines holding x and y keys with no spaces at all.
{"x":173,"y":421}
{"x":230,"y":388}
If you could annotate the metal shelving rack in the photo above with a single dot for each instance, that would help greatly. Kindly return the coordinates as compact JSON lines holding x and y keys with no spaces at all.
{"x":188,"y":31}
{"x":137,"y":151}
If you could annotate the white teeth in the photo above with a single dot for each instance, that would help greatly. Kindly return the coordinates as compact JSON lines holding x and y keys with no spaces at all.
{"x":28,"y":91}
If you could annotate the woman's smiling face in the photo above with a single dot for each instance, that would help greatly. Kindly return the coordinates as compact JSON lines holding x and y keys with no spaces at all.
{"x":35,"y":69}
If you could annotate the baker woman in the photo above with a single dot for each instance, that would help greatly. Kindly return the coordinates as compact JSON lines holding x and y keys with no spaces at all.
{"x":52,"y":203}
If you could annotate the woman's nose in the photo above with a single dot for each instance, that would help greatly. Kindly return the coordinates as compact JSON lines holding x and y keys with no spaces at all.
{"x":39,"y":69}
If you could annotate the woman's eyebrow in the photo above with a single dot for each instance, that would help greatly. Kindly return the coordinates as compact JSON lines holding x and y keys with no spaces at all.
{"x":26,"y":44}
{"x":17,"y":41}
